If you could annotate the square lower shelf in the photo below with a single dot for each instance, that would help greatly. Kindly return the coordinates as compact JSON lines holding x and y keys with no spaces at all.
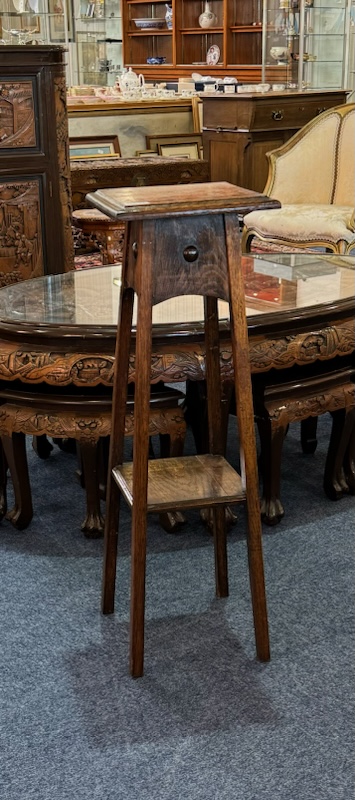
{"x":186,"y":482}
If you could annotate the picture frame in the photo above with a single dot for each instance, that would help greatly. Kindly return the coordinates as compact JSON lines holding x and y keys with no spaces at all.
{"x":56,"y":9}
{"x":146,"y":152}
{"x":182,"y":143}
{"x":180,"y":150}
{"x":81,"y":147}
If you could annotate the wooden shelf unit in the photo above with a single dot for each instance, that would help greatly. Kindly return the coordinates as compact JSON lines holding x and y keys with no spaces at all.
{"x":238,"y":34}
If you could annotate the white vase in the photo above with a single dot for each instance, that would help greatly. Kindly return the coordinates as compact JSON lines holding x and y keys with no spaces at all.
{"x":207,"y":19}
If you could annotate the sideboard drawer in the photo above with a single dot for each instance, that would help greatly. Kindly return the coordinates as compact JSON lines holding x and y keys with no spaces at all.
{"x":272,"y":111}
{"x":291,"y":113}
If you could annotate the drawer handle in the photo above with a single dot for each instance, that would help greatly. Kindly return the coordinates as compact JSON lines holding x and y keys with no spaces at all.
{"x":320,"y":110}
{"x":277,"y":115}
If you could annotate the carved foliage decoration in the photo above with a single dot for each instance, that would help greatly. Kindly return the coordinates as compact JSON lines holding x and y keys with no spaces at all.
{"x":296,"y":409}
{"x":176,"y":363}
{"x":17,"y":119}
{"x":21,"y":254}
{"x":84,"y":427}
{"x":64,"y":170}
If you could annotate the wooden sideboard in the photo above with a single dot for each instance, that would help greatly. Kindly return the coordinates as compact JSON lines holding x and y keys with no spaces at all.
{"x":35,"y":192}
{"x":240,"y":129}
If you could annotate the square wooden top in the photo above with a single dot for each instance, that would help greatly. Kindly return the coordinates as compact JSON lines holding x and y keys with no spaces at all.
{"x":160,"y":201}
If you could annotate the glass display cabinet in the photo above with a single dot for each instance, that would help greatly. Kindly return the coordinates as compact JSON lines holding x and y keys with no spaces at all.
{"x":35,"y":22}
{"x":308,"y":41}
{"x":98,"y":35}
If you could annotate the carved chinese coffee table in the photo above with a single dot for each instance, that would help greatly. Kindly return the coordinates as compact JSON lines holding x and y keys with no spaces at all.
{"x":57,"y":336}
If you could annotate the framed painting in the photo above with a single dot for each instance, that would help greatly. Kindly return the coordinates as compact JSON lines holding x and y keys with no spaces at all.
{"x":191,"y":141}
{"x":180,"y":150}
{"x":94,"y":147}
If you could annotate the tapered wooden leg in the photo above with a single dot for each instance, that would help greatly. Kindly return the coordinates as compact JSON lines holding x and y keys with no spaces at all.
{"x":216,"y":435}
{"x":119,"y":399}
{"x":220,"y":551}
{"x":93,"y":525}
{"x":3,"y":482}
{"x":140,"y":454}
{"x":15,"y":452}
{"x":245,"y":412}
{"x":309,"y":435}
{"x":271,"y":440}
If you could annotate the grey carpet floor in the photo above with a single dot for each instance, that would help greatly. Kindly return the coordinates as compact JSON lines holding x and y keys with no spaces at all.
{"x":207,"y":721}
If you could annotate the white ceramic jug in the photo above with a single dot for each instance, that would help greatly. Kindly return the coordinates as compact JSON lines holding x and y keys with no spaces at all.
{"x":207,"y":19}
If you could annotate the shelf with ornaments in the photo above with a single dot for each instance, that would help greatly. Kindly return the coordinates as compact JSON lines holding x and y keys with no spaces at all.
{"x":24,"y":22}
{"x":148,"y":33}
{"x":307,"y":41}
{"x":97,"y":56}
{"x":242,"y":32}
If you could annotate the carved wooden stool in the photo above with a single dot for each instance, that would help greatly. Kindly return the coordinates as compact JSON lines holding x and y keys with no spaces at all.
{"x":297,"y":401}
{"x":180,"y":240}
{"x":87,"y":421}
{"x":108,"y":233}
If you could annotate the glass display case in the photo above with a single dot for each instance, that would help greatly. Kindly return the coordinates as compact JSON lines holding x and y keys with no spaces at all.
{"x":98,"y":35}
{"x":35,"y":22}
{"x":308,"y":41}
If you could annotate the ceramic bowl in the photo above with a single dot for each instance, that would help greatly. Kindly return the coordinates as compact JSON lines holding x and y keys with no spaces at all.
{"x":149,"y":22}
{"x":156,"y":60}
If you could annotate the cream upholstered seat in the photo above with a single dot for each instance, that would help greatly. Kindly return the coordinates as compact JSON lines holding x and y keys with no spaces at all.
{"x":313,"y":176}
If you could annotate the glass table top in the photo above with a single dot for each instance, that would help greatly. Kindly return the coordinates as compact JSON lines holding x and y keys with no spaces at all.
{"x":273,"y":283}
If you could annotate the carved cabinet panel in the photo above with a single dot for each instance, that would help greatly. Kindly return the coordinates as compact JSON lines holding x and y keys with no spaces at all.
{"x":21,"y":251}
{"x":17,"y":115}
{"x":35,"y":191}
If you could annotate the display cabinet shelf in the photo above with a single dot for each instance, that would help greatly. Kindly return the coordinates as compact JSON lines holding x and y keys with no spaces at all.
{"x":97,"y":54}
{"x":307,"y":39}
{"x":35,"y":22}
{"x":245,"y":31}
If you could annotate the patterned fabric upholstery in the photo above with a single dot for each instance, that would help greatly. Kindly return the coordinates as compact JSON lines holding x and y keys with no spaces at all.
{"x":313,"y":176}
{"x":311,"y":224}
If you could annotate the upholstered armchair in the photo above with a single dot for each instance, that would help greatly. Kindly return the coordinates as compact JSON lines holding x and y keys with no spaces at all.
{"x":313,"y":176}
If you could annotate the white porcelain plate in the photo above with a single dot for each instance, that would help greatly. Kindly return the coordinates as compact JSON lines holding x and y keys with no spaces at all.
{"x":213,"y":55}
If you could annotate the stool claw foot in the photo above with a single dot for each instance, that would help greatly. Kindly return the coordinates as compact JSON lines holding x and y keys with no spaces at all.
{"x":335,"y":486}
{"x":19,"y":517}
{"x":272,"y":510}
{"x":171,"y":521}
{"x":93,"y":526}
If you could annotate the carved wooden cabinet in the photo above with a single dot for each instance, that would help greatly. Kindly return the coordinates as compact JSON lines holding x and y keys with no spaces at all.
{"x":35,"y":192}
